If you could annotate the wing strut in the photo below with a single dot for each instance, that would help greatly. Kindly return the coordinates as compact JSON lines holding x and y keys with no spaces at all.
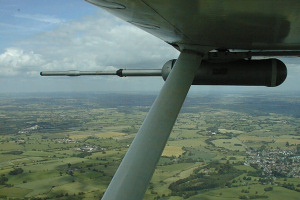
{"x":137,"y":167}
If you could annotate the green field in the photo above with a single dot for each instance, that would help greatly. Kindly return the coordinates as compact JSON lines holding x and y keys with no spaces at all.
{"x":71,"y":148}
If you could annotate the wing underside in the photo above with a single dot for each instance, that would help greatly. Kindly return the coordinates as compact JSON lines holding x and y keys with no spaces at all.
{"x":231,"y":24}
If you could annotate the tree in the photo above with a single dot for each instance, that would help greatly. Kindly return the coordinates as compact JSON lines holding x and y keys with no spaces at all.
{"x":16,"y":171}
{"x":3,"y":179}
{"x":268,"y":189}
{"x":287,"y":144}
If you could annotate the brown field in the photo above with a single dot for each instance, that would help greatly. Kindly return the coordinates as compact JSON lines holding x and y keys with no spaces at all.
{"x":172,"y":151}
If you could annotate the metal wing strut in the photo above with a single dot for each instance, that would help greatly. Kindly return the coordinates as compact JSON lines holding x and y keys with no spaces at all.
{"x":137,"y":167}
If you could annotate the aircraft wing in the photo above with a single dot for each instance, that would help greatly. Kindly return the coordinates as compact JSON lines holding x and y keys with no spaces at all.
{"x":195,"y":27}
{"x":230,"y":24}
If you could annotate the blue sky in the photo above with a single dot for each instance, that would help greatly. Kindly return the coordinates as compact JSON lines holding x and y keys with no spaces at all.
{"x":40,"y":35}
{"x":22,"y":19}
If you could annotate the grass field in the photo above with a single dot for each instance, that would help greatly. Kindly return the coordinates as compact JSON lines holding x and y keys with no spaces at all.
{"x":109,"y":134}
{"x":245,"y":168}
{"x":197,"y":142}
{"x":231,"y":144}
{"x":80,"y":136}
{"x":278,"y":193}
{"x":55,"y":167}
{"x":14,"y":192}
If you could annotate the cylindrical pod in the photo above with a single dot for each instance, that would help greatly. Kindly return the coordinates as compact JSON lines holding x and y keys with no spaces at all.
{"x":266,"y":72}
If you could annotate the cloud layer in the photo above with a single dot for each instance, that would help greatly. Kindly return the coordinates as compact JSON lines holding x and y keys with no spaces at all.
{"x":14,"y":61}
{"x":99,"y":42}
{"x":94,"y":43}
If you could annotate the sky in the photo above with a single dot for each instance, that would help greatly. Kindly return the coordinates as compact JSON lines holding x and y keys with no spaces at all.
{"x":40,"y":35}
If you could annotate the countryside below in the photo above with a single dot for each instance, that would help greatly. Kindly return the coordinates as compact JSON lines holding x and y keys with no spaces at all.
{"x":223,"y":146}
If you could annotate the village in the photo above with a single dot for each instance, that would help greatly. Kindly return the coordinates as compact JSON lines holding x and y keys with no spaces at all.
{"x":275,"y":162}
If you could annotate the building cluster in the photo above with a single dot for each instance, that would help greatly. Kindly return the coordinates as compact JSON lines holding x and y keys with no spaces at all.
{"x":28,"y":130}
{"x":90,"y":148}
{"x":275,"y":162}
{"x":65,"y":140}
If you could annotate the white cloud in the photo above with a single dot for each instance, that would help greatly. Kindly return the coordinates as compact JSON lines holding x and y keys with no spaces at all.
{"x":100,"y":42}
{"x":15,"y":61}
{"x":97,"y":42}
